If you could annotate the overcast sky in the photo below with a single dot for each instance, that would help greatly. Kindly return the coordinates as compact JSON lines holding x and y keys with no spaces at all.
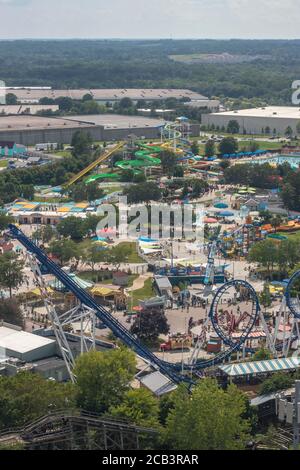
{"x":149,"y":19}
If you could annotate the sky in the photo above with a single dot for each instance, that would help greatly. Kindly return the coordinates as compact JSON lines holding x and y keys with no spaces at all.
{"x":130,"y":19}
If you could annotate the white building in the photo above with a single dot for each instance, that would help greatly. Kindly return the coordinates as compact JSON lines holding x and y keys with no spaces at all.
{"x":275,"y":118}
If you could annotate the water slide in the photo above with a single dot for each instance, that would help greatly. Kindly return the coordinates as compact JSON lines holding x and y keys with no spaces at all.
{"x":144,"y":158}
{"x":93,"y":165}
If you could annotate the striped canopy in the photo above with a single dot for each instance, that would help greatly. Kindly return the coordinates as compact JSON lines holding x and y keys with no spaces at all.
{"x":261,"y":367}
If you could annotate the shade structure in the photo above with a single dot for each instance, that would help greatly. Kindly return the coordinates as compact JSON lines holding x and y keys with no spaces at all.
{"x":57,"y":285}
{"x":226,"y":214}
{"x":210,"y":220}
{"x":221,"y":205}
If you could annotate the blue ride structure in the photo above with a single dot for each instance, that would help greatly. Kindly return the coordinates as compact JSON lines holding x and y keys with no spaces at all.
{"x":171,"y":370}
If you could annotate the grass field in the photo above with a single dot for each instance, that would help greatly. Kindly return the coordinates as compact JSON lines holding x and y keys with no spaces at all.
{"x":3,"y":163}
{"x":263,"y":145}
{"x":133,"y":256}
{"x":291,"y":235}
{"x":145,"y":293}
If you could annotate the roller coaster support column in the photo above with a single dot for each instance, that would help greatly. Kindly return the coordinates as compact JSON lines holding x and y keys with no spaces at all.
{"x":53,"y":316}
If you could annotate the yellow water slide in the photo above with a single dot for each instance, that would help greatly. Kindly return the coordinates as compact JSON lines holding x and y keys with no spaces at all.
{"x":93,"y":165}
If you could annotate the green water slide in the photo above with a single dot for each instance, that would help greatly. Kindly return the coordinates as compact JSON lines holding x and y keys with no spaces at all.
{"x":103,"y":176}
{"x":144,"y":158}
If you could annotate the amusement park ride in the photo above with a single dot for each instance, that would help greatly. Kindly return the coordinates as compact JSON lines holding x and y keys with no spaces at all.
{"x":234,"y":315}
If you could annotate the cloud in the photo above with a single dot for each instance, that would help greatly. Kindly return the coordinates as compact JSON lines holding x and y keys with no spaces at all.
{"x":150,"y":18}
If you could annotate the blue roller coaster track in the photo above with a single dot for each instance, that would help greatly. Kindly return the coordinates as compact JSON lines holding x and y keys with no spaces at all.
{"x":293,"y":302}
{"x":173,"y":371}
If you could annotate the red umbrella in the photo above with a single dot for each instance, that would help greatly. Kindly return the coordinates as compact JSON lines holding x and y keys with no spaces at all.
{"x":210,"y":220}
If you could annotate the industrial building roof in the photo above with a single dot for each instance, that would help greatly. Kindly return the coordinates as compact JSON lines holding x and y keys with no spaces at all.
{"x":107,"y":94}
{"x":286,"y":112}
{"x":261,"y":367}
{"x":21,"y":341}
{"x":116,"y":121}
{"x":26,"y":122}
{"x":108,"y":121}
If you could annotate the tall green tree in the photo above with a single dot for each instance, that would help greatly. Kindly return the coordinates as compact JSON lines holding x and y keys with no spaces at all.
{"x":207,"y":419}
{"x":228,"y":145}
{"x":103,"y":378}
{"x":27,"y":396}
{"x":139,"y":407}
{"x":5,"y":220}
{"x":210,"y":148}
{"x":72,"y":227}
{"x":11,"y":271}
{"x":233,"y":127}
{"x":65,"y":250}
{"x":149,"y":324}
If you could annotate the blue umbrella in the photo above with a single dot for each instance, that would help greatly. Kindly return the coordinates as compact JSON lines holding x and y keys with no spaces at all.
{"x":225,"y":214}
{"x":221,"y":205}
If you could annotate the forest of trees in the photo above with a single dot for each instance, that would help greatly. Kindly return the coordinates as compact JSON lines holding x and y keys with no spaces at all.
{"x":141,"y":63}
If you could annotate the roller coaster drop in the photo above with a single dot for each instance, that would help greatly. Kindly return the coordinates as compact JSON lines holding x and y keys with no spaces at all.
{"x":175,"y":372}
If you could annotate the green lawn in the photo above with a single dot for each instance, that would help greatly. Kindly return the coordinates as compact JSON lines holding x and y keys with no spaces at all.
{"x":142,"y":294}
{"x":133,"y":256}
{"x":3,"y":163}
{"x":63,"y":153}
{"x":291,"y":235}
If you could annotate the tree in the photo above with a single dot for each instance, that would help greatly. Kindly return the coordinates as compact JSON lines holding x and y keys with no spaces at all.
{"x":64,"y":102}
{"x":233,"y":127}
{"x":87,"y":97}
{"x":118,"y":254}
{"x":81,"y":141}
{"x":72,"y":227}
{"x":144,"y":192}
{"x":288,"y":132}
{"x":276,"y":221}
{"x":11,"y":271}
{"x":64,"y":250}
{"x":139,"y":407}
{"x":210,"y":148}
{"x":298,"y":127}
{"x":224,"y":164}
{"x":126,"y":103}
{"x":265,"y":297}
{"x":168,"y":161}
{"x":27,"y":396}
{"x":11,"y":98}
{"x":262,"y":354}
{"x":10,"y":312}
{"x":209,"y":418}
{"x":103,"y":378}
{"x":149,"y":324}
{"x":44,"y":234}
{"x":264,"y":253}
{"x":94,"y":255}
{"x":228,"y":145}
{"x":91,"y":223}
{"x":278,"y":381}
{"x":195,"y":148}
{"x":178,"y":172}
{"x":85,"y":192}
{"x":5,"y":220}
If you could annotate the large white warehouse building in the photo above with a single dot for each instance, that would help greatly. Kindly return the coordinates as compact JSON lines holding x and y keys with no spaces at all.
{"x":253,"y":121}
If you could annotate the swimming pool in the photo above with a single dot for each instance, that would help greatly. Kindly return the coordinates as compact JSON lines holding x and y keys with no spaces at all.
{"x":293,"y":160}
